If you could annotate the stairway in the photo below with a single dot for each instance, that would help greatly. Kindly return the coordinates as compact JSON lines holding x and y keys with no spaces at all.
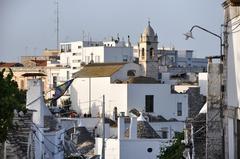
{"x":18,"y":138}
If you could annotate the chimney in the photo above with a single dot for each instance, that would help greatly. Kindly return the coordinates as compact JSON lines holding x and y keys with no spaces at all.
{"x":121,"y":126}
{"x":133,"y":128}
{"x":35,"y":101}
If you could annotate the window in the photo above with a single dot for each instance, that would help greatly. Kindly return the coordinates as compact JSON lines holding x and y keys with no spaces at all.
{"x":151,"y":53}
{"x":125,"y":58}
{"x":76,"y":61}
{"x":62,"y":48}
{"x":68,"y":75}
{"x":143,"y":53}
{"x":149,"y":150}
{"x":149,"y":100}
{"x":97,"y":59}
{"x":79,"y":47}
{"x":54,"y":81}
{"x":164,"y":134}
{"x":131,"y":72}
{"x":238,"y":135}
{"x":179,"y":109}
{"x":68,"y":48}
{"x":77,"y":54}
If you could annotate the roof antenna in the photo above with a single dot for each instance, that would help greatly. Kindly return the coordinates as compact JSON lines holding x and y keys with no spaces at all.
{"x":129,"y":42}
{"x":83,"y":35}
{"x":57,"y":23}
{"x":118,"y":39}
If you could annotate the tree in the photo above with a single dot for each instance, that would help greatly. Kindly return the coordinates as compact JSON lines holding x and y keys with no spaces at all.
{"x":11,"y":98}
{"x":176,"y":150}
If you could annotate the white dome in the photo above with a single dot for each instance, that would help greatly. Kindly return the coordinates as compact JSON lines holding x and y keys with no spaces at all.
{"x":148,"y":31}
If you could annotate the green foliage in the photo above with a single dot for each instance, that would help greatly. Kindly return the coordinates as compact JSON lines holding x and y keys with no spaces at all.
{"x":11,"y":98}
{"x":176,"y":150}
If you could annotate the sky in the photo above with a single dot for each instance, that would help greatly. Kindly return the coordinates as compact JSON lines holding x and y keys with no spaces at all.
{"x":27,"y":27}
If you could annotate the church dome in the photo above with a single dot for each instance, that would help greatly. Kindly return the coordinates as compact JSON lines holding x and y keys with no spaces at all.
{"x":148,"y":31}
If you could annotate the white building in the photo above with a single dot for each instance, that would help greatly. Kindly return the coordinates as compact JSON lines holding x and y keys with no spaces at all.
{"x":139,"y":141}
{"x":203,"y":83}
{"x":175,"y":58}
{"x":47,"y":138}
{"x":232,"y":98}
{"x":78,"y":53}
{"x":185,"y":59}
{"x":125,"y":90}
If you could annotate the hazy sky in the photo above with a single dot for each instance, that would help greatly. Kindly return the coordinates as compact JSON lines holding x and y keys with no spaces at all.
{"x":29,"y":26}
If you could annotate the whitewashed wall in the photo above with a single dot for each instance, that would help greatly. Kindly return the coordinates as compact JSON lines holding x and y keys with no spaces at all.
{"x":131,"y":149}
{"x":96,"y":51}
{"x":111,"y":148}
{"x":165,"y":103}
{"x":80,"y":94}
{"x":118,"y":98}
{"x":117,"y":54}
{"x":203,"y":83}
{"x":233,"y":69}
{"x":122,"y":73}
{"x":231,"y":138}
{"x":125,"y":97}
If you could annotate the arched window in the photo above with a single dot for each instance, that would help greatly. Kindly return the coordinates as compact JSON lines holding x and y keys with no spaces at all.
{"x":151,"y":53}
{"x":131,"y":72}
{"x":143,"y":53}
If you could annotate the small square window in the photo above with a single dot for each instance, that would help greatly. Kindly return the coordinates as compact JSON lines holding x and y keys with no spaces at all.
{"x":179,"y":109}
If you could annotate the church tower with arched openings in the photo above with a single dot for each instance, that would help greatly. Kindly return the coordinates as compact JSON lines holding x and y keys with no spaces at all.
{"x":147,"y":49}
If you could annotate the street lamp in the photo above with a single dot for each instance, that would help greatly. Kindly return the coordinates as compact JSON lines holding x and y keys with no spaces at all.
{"x":189,"y":35}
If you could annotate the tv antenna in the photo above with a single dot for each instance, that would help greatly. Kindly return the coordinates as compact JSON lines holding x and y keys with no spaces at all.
{"x":57,"y":23}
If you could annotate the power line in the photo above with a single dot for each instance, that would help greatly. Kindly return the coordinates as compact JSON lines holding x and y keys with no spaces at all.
{"x":42,"y":142}
{"x":58,"y":146}
{"x":204,"y":126}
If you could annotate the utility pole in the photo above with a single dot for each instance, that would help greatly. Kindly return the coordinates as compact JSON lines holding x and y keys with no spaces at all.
{"x":90,"y":97}
{"x":103,"y":128}
{"x":5,"y":150}
{"x":224,"y":77}
{"x":57,"y":25}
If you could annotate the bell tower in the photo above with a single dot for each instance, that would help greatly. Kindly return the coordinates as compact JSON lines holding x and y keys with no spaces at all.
{"x":147,"y":49}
